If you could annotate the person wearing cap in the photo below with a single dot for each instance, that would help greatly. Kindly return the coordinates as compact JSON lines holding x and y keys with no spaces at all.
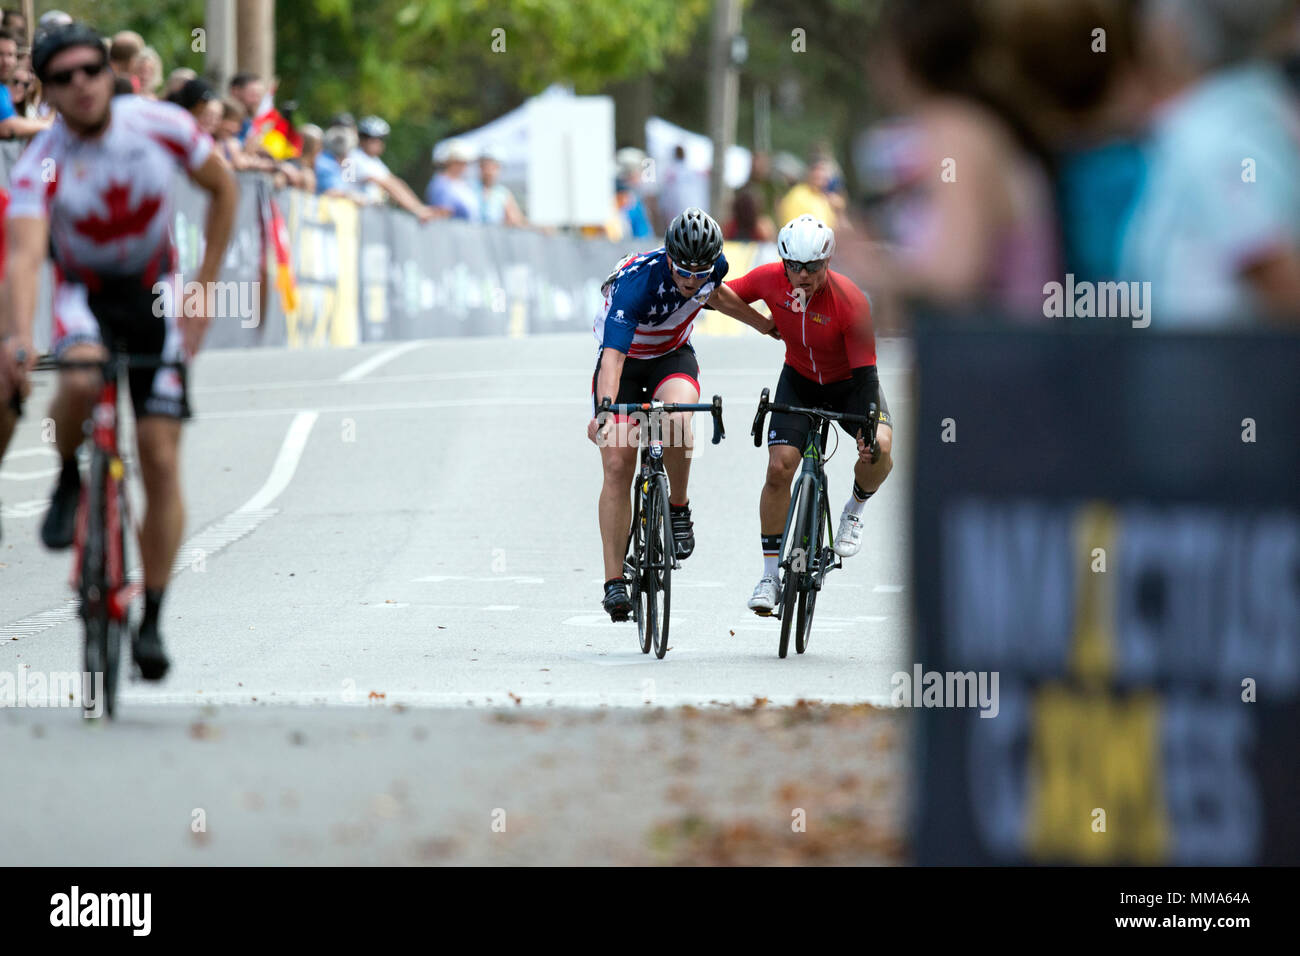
{"x":450,"y":189}
{"x":496,"y":203}
{"x":200,"y":100}
{"x":371,"y":176}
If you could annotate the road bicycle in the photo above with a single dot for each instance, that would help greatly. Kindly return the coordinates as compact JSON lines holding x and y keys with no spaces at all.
{"x":806,"y":552}
{"x":100,"y":573}
{"x":650,"y":558}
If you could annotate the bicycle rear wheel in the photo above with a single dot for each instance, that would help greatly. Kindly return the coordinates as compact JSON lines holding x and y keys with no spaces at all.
{"x":794,"y":560}
{"x":817,"y":547}
{"x":659,"y":533}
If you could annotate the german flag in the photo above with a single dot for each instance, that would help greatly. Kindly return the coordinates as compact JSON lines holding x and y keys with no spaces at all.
{"x":276,"y":135}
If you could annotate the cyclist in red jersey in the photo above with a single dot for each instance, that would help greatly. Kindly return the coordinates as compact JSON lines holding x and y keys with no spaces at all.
{"x":95,"y":188}
{"x":830,"y":362}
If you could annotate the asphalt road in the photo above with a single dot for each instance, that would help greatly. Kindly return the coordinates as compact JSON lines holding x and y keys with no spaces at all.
{"x":414,"y":525}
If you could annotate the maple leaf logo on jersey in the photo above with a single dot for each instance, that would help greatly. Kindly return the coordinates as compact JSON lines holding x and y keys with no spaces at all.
{"x":122,"y":221}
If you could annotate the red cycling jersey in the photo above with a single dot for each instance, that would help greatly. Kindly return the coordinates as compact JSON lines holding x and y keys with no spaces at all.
{"x":828,"y":339}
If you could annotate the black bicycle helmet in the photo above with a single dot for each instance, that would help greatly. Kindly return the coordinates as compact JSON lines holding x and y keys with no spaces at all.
{"x":694,"y":239}
{"x":50,"y":43}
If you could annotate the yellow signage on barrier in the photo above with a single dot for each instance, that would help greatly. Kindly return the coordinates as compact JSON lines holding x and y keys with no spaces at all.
{"x":326,"y":232}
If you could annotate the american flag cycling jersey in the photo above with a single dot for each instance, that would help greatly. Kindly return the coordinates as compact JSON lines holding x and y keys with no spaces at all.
{"x":644,"y":316}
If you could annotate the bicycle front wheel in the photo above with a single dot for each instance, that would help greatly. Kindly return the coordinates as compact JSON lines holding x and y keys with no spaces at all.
{"x":795,"y":558}
{"x":659,"y":533}
{"x":817,"y":549}
{"x":633,"y":569}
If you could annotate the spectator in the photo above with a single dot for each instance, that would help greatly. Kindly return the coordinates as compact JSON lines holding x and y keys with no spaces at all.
{"x":1216,"y":230}
{"x":122,"y":51}
{"x":16,"y":24}
{"x":630,"y":218}
{"x":449,"y":189}
{"x":201,"y":100}
{"x":248,"y":90}
{"x":22,"y":92}
{"x":980,"y":228}
{"x":496,"y":203}
{"x":51,"y":19}
{"x":811,"y":197}
{"x":312,"y":137}
{"x":11,"y":123}
{"x":747,"y":223}
{"x":178,"y":78}
{"x":233,"y":116}
{"x":762,"y":184}
{"x":681,"y":187}
{"x":331,"y":178}
{"x":147,"y":72}
{"x":373,"y":176}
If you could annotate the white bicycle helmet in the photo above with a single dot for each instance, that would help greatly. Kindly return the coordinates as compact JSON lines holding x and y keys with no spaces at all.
{"x":806,"y":239}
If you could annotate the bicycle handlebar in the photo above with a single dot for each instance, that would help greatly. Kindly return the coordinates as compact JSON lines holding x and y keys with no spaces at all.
{"x":118,"y":360}
{"x":868,"y":422}
{"x":628,"y":408}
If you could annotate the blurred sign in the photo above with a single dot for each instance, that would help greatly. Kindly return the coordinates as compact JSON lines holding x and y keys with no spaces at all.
{"x":1107,"y":535}
{"x":571,"y":160}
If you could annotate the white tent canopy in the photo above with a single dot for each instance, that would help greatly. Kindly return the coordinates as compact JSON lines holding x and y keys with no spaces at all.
{"x":508,"y":135}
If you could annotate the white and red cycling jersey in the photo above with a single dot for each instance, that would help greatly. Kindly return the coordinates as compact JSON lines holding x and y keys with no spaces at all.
{"x":108,"y":199}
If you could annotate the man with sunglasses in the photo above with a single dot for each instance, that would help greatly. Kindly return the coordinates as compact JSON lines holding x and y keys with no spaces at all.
{"x":830,"y":362}
{"x":644,"y":331}
{"x":95,"y":188}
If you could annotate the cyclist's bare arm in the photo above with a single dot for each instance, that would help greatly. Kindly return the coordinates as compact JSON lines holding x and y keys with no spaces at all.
{"x":611,"y":373}
{"x":28,"y":242}
{"x":215,"y":178}
{"x":726,"y":301}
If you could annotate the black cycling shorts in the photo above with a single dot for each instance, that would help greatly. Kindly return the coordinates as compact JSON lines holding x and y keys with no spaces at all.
{"x":847,"y":397}
{"x":642,"y":377}
{"x":125,"y":312}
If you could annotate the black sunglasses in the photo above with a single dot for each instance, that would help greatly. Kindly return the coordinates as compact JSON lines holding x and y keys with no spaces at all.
{"x":64,"y":77}
{"x":812,"y":268}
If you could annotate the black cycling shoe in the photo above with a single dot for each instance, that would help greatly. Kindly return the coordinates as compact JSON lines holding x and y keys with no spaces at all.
{"x":60,"y":524}
{"x":683,"y":531}
{"x":617,"y":603}
{"x":148,"y":653}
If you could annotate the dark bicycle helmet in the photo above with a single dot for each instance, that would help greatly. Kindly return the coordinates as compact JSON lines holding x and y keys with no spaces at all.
{"x":51,"y":42}
{"x":694,"y":239}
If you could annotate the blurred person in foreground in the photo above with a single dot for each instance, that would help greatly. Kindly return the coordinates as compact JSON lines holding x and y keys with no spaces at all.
{"x":977,"y":229}
{"x":178,"y":78}
{"x":496,"y":203}
{"x":450,"y":190}
{"x":375,"y":180}
{"x":1216,"y":230}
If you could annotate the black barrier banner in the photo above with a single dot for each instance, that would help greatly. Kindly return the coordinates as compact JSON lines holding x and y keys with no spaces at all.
{"x":1107,"y":572}
{"x":452,"y":278}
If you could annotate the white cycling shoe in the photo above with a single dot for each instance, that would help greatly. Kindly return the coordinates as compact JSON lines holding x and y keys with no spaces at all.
{"x":764,"y":600}
{"x":849,"y":537}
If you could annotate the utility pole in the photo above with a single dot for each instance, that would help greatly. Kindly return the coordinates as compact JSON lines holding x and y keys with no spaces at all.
{"x":727,"y":51}
{"x":219,"y":25}
{"x":256,"y":43}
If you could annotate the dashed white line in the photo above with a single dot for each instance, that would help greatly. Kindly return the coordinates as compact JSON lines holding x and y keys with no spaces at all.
{"x":362,"y":369}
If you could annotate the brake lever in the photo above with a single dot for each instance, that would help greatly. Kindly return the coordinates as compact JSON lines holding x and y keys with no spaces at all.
{"x":719,"y":432}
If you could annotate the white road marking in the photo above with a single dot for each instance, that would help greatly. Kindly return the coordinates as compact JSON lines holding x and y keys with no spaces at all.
{"x":211,"y":539}
{"x":362,"y":369}
{"x":502,"y":607}
{"x":494,"y":579}
{"x":887,"y":588}
{"x":27,"y":509}
{"x":49,"y":471}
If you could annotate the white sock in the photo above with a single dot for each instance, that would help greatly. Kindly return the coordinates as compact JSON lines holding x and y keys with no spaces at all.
{"x":771,"y":564}
{"x":854,"y":506}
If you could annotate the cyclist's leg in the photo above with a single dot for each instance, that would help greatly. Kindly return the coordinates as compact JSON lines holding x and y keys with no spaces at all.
{"x":868,"y":475}
{"x":618,"y":458}
{"x":76,"y":339}
{"x":787,"y":435}
{"x":678,"y":381}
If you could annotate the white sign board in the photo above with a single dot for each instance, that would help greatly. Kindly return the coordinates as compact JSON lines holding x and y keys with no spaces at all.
{"x":571,"y":160}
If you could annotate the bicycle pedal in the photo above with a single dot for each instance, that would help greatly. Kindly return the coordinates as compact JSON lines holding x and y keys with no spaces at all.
{"x":761,"y":612}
